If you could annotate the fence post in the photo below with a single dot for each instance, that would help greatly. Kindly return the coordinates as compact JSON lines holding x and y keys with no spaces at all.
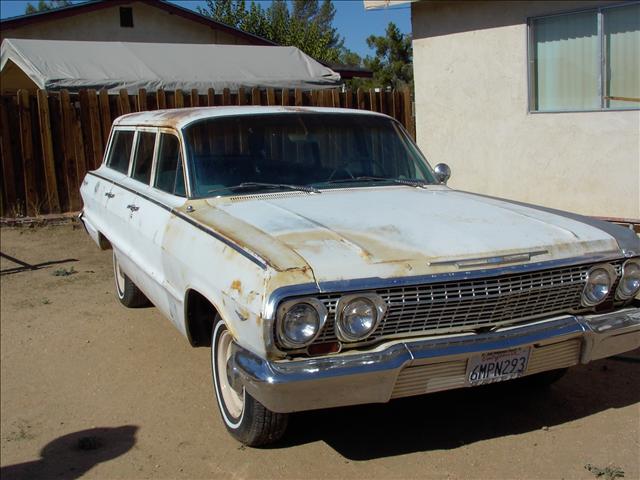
{"x":408,"y":114}
{"x":271,"y":96}
{"x":360,"y":105}
{"x":297,"y":94}
{"x":123,"y":102}
{"x":179,"y":99}
{"x":195,"y":99}
{"x":48,"y":162}
{"x":242,"y":96}
{"x":94,"y":123}
{"x":142,"y":99}
{"x":8,"y":176}
{"x":373,"y":100}
{"x":26,"y":145}
{"x":71,"y":157}
{"x":226,"y":96}
{"x":211,"y":97}
{"x":105,"y":114}
{"x":255,"y":96}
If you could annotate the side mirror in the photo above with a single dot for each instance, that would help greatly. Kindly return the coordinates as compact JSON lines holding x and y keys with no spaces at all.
{"x":443,"y":172}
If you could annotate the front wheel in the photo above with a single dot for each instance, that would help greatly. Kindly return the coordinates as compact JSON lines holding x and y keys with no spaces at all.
{"x":246,"y":419}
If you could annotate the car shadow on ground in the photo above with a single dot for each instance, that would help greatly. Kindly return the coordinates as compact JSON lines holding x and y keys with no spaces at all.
{"x":449,"y":420}
{"x":72,"y":455}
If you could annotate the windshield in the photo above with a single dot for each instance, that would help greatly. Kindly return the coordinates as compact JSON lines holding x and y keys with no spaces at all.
{"x":299,"y":150}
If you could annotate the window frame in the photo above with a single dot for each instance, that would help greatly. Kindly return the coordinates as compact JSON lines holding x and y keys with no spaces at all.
{"x":156,"y":152}
{"x":112,"y":138}
{"x":602,"y":60}
{"x":134,"y":151}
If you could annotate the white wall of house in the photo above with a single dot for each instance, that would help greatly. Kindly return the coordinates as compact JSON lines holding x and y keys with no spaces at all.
{"x":150,"y":24}
{"x":470,"y":66}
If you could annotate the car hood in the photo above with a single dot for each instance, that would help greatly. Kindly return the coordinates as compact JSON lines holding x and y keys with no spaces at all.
{"x":396,"y":231}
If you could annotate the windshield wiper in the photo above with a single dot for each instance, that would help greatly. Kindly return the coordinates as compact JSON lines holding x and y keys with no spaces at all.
{"x":260,"y":185}
{"x":400,"y":181}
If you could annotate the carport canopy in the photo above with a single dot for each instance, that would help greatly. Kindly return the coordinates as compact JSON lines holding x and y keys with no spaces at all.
{"x":76,"y":65}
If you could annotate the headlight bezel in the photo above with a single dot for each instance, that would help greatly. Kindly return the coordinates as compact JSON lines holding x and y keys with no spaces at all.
{"x":287,"y":306}
{"x":380,"y":308}
{"x":619,"y":294}
{"x":611,"y":273}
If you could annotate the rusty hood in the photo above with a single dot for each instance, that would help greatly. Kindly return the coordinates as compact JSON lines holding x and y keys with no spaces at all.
{"x":396,"y":231}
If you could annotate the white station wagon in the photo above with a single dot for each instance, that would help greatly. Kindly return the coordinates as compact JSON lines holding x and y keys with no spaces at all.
{"x":327,"y":264}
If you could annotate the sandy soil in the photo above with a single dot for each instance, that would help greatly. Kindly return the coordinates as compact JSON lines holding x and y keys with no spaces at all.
{"x":79,"y":370}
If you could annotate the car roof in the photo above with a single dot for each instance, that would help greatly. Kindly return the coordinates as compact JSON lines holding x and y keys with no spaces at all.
{"x":178,"y":118}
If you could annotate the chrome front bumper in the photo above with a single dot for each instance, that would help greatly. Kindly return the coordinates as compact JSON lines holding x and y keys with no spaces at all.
{"x":427,"y":365}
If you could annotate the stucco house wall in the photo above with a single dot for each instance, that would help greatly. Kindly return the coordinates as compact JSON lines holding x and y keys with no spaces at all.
{"x":151,"y":24}
{"x":471,"y":92}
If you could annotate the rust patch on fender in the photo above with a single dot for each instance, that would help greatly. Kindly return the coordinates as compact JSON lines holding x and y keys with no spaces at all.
{"x":237,"y":286}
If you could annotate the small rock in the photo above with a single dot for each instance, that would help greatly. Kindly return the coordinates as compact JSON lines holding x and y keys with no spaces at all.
{"x":545,"y":428}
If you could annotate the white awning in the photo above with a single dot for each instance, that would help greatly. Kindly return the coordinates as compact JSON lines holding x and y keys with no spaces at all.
{"x":74,"y":65}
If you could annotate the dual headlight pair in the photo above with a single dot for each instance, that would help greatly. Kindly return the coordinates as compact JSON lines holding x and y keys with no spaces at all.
{"x":301,"y":320}
{"x":601,"y":278}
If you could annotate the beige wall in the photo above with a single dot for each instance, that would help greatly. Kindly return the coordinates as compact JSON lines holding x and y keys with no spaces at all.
{"x":470,"y":66}
{"x":150,"y":25}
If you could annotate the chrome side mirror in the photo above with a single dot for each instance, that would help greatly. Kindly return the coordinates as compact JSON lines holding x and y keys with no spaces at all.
{"x":443,"y":172}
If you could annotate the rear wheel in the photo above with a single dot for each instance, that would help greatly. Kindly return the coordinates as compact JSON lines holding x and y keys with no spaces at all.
{"x":245,"y":418}
{"x":126,"y":291}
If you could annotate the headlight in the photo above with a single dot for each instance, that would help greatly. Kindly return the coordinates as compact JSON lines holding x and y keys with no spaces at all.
{"x":300,"y":322}
{"x":630,"y":282}
{"x":599,"y":282}
{"x":357,"y":316}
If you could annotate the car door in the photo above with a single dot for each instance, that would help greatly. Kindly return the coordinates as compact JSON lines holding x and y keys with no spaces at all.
{"x":160,"y":189}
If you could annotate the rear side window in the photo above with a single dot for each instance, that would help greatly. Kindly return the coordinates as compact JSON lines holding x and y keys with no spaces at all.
{"x":169,"y":176}
{"x":143,"y":159}
{"x":120,"y":151}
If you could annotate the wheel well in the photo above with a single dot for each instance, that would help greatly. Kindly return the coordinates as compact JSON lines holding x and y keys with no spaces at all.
{"x":200,"y":315}
{"x":103,"y":243}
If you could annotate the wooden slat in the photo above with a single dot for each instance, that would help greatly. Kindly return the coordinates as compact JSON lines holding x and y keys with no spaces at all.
{"x":360,"y":105}
{"x":105,"y":113}
{"x":226,"y":97}
{"x":408,"y":114}
{"x":348,"y":98}
{"x":271,"y":96}
{"x":195,"y":98}
{"x":211,"y":97}
{"x":255,"y":96}
{"x":123,"y":102}
{"x":141,"y":100}
{"x":94,"y":126}
{"x":179,"y":99}
{"x":8,"y":173}
{"x":373,"y":100}
{"x":285,"y":97}
{"x":48,"y":162}
{"x":335,"y":96}
{"x":297,"y":95}
{"x":85,"y":129}
{"x":26,"y":147}
{"x":161,"y":99}
{"x":242,"y":96}
{"x":70,"y":152}
{"x":395,"y":105}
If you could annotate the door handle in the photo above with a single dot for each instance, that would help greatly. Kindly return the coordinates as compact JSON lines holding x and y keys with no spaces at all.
{"x":133,"y":208}
{"x":109,"y":195}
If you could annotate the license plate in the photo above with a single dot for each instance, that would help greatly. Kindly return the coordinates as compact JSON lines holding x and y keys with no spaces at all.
{"x":493,"y":367}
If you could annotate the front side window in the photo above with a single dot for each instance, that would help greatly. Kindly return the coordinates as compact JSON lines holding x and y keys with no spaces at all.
{"x":120,"y":152}
{"x":586,"y":60}
{"x":143,"y":159}
{"x":320,"y":150}
{"x":169,"y":175}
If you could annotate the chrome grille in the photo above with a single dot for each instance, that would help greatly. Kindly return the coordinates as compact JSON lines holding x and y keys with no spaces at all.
{"x":472,"y":304}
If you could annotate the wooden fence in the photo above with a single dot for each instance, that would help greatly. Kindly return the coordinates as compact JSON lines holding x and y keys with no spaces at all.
{"x":49,"y":140}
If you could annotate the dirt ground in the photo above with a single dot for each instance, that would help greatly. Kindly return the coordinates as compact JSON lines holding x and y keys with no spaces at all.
{"x":89,"y":388}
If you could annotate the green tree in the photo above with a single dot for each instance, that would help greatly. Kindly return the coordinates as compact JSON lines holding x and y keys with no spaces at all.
{"x":392,"y":65}
{"x":308,"y":26}
{"x":44,"y":6}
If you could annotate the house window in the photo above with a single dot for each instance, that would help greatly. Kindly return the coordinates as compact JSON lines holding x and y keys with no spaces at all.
{"x":126,"y":17}
{"x":588,"y":60}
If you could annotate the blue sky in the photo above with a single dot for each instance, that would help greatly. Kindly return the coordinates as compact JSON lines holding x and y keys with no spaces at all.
{"x":352,"y":21}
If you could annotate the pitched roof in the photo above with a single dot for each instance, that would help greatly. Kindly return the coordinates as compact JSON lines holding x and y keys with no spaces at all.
{"x":92,"y":5}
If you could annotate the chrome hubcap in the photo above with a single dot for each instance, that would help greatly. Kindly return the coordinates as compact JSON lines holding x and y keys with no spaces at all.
{"x":233,"y":400}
